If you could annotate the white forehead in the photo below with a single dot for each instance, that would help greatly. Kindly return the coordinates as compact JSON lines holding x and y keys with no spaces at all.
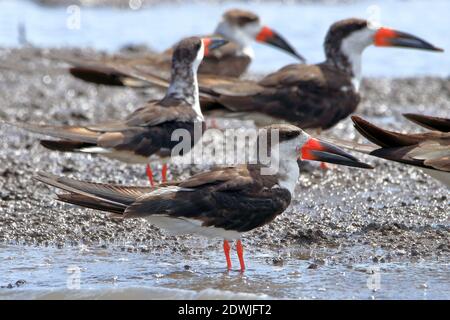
{"x":234,"y":31}
{"x":357,"y":41}
{"x":291,"y":148}
{"x":252,"y":28}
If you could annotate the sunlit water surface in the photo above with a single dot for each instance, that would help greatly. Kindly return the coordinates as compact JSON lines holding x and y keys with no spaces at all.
{"x":304,"y":25}
{"x":95,"y":272}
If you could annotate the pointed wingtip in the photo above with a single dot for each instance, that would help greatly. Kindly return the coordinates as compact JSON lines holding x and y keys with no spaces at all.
{"x":429,"y":122}
{"x":45,"y":177}
{"x":410,"y":116}
{"x":357,"y":119}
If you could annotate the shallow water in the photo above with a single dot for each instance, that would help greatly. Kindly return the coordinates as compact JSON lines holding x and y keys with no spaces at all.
{"x":112,"y":273}
{"x":303,"y":24}
{"x":95,"y":272}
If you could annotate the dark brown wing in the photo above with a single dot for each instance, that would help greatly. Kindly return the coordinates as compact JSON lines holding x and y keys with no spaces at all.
{"x":166,"y":110}
{"x":432,"y":123}
{"x":103,"y":197}
{"x":230,"y":198}
{"x":309,"y":96}
{"x":143,"y":133}
{"x":117,"y":70}
{"x":121,"y":71}
{"x":225,"y":61}
{"x":428,"y":150}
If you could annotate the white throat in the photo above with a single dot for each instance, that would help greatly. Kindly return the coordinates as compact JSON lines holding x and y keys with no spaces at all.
{"x":241,"y":36}
{"x":288,"y":174}
{"x":195,"y":66}
{"x":353,"y":47}
{"x":178,"y":85}
{"x":248,"y":51}
{"x":285,"y":155}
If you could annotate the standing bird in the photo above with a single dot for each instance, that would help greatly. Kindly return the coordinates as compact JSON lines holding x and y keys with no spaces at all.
{"x":223,"y":202}
{"x":309,"y":96}
{"x":430,"y":151}
{"x":149,"y":129}
{"x":239,"y":27}
{"x":306,"y":95}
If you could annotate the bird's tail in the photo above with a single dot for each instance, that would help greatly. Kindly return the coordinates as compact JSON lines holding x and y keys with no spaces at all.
{"x":103,"y":197}
{"x":98,"y":75}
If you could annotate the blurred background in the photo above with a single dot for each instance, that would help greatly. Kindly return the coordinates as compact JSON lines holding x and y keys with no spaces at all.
{"x":109,"y":25}
{"x":349,"y":234}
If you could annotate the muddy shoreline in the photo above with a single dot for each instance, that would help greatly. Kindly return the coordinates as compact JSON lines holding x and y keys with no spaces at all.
{"x":391,"y":213}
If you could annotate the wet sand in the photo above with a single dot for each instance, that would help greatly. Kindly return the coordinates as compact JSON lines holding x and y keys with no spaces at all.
{"x":393,"y":213}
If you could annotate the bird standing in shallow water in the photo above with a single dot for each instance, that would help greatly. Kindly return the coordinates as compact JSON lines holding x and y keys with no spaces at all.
{"x":223,"y":202}
{"x":148,"y":130}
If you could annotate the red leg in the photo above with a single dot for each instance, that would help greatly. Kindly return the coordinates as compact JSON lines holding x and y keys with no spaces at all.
{"x":164,"y":173}
{"x":324,"y":166}
{"x":226,"y":250}
{"x":240,"y":252}
{"x":213,"y":124}
{"x":149,"y":172}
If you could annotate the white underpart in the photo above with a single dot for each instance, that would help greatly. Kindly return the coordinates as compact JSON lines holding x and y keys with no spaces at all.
{"x":195,"y":65}
{"x":169,"y":189}
{"x":123,"y":156}
{"x":441,"y":176}
{"x":429,"y":152}
{"x":182,"y":225}
{"x":243,"y":36}
{"x":287,"y":154}
{"x":353,"y":47}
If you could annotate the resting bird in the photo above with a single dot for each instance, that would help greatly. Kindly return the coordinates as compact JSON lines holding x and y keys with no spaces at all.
{"x":241,"y":28}
{"x":429,"y":151}
{"x":306,"y":95}
{"x":149,"y":129}
{"x":223,"y":202}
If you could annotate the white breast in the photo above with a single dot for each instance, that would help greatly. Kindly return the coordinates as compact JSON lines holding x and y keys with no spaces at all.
{"x":441,"y":176}
{"x":181,"y":225}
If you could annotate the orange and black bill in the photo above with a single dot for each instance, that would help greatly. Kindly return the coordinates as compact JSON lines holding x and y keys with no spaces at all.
{"x":386,"y":37}
{"x":213,"y":43}
{"x":317,"y":150}
{"x":272,"y":38}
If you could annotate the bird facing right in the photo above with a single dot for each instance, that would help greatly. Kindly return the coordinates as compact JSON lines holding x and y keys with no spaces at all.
{"x":223,"y":202}
{"x":307,"y":95}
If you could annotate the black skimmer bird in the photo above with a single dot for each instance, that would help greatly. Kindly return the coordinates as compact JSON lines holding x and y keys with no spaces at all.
{"x":223,"y":202}
{"x":239,"y":27}
{"x":430,"y":151}
{"x":148,"y":130}
{"x":309,"y":96}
